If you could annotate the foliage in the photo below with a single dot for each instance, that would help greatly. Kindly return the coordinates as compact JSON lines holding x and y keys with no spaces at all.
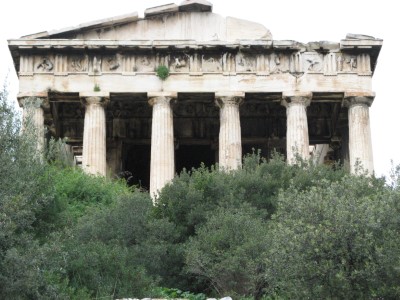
{"x":140,"y":249}
{"x":196,"y":193}
{"x":171,"y":293}
{"x":96,"y":88}
{"x":162,"y":72}
{"x":228,"y":251}
{"x":336,"y":240}
{"x":267,"y":231}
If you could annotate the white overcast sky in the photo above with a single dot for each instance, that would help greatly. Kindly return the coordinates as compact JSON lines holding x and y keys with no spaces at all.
{"x":300,"y":20}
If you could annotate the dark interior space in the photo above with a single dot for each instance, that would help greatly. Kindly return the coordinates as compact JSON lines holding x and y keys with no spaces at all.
{"x":136,"y":160}
{"x":191,"y":156}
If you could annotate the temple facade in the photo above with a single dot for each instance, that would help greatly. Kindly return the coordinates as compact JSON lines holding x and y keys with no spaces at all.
{"x":183,"y":86}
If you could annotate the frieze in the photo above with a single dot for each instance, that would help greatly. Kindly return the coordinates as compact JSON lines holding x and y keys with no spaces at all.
{"x":312,"y":62}
{"x":44,"y":64}
{"x":347,"y":63}
{"x":278,"y":63}
{"x":211,"y":63}
{"x":71,"y":110}
{"x":129,"y":109}
{"x":199,"y":62}
{"x":144,"y":63}
{"x":78,"y":63}
{"x":196,"y":109}
{"x":112,"y":63}
{"x":245,"y":63}
{"x":180,"y":63}
{"x":196,"y":127}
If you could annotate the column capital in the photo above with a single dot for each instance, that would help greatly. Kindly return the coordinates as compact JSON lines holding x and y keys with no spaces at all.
{"x":37,"y":100}
{"x":233,"y":98}
{"x":95,"y":98}
{"x":358,"y":98}
{"x":161,"y":97}
{"x":294,"y":97}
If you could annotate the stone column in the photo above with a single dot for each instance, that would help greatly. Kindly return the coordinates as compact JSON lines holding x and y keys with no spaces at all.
{"x":360,"y":145}
{"x":162,"y":163}
{"x":297,"y":140}
{"x":33,"y":116}
{"x":94,"y":134}
{"x":230,"y":139}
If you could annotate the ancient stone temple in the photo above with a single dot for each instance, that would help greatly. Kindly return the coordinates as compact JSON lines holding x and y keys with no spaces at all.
{"x":183,"y":86}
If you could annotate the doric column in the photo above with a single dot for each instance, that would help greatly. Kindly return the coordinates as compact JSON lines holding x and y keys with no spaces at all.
{"x":297,"y":140}
{"x":94,"y":133}
{"x":33,"y":116}
{"x":230,"y":139}
{"x":162,"y":163}
{"x":360,"y":145}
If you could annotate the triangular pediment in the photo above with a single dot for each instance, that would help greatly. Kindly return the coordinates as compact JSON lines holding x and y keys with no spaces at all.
{"x":192,"y":20}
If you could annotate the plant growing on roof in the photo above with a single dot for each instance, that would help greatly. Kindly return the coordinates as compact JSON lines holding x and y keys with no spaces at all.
{"x":162,"y":72}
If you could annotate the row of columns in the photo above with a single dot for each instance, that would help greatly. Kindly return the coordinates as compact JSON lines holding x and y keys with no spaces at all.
{"x":162,"y":165}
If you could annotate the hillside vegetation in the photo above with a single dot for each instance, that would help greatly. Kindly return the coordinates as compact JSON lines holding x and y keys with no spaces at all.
{"x":267,"y":231}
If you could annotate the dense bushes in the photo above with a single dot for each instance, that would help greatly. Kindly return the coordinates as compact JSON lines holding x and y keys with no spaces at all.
{"x":268,"y":231}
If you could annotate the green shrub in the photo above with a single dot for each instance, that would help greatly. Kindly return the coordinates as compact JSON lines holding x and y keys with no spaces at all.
{"x":162,"y":72}
{"x":335,"y":240}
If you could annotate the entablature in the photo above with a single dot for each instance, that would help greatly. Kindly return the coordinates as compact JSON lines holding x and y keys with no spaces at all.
{"x":261,"y":57}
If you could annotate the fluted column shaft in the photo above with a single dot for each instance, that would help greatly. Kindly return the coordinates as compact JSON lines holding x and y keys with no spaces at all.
{"x":297,"y":140}
{"x":360,"y":144}
{"x":94,"y":136}
{"x":33,"y":118}
{"x":162,"y":164}
{"x":230,"y":137}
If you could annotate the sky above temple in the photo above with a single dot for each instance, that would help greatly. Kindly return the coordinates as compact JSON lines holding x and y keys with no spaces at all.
{"x":303,"y":21}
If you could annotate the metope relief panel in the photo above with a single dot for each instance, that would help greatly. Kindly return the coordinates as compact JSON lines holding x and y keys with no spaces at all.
{"x":278,"y":63}
{"x":245,"y":63}
{"x":78,"y":63}
{"x":144,"y":63}
{"x":211,"y":63}
{"x":347,"y":63}
{"x":111,"y":63}
{"x":179,"y":63}
{"x":313,"y":62}
{"x":44,"y":64}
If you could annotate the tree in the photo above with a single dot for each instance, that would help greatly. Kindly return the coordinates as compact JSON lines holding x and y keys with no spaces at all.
{"x":228,"y":251}
{"x":335,"y":240}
